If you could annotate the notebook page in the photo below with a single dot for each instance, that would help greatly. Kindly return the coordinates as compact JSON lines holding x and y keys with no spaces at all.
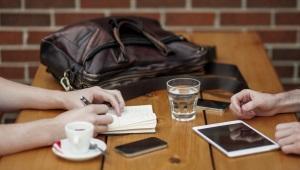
{"x":132,"y":115}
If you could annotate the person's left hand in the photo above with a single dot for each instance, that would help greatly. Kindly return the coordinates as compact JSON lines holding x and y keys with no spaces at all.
{"x":288,"y":137}
{"x":94,"y":95}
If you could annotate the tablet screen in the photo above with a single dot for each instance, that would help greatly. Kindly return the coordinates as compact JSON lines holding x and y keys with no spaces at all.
{"x":234,"y":137}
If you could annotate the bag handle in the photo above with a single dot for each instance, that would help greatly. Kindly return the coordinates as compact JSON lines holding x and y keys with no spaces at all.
{"x":116,"y":32}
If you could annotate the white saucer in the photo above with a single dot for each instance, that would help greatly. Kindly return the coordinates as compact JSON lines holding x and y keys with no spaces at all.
{"x":62,"y":149}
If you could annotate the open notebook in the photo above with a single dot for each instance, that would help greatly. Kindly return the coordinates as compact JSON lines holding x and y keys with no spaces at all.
{"x":134,"y":119}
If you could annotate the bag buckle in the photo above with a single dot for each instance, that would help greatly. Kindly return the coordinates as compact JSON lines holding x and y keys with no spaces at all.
{"x":65,"y":82}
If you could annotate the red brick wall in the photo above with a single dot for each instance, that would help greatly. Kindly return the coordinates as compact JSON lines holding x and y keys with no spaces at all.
{"x":24,"y":22}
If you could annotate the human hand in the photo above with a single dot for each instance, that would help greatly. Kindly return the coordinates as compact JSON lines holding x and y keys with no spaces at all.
{"x":94,"y":95}
{"x":249,"y":103}
{"x":288,"y":137}
{"x":94,"y":114}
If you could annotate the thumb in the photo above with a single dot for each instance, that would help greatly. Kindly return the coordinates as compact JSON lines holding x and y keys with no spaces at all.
{"x":247,"y":107}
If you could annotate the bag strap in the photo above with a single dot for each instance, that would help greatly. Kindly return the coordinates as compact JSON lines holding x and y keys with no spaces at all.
{"x":220,"y":76}
{"x":117,"y":25}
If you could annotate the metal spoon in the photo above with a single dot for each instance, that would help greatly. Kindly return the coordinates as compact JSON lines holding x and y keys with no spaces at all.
{"x":95,"y":146}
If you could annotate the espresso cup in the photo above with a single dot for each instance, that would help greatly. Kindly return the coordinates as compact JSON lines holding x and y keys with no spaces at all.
{"x":79,"y":135}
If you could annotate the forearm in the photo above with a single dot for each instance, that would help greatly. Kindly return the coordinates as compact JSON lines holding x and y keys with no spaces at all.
{"x":288,"y":101}
{"x":24,"y":136}
{"x":16,"y":96}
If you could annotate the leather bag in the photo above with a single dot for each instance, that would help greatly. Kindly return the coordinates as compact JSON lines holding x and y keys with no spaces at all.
{"x":132,"y":54}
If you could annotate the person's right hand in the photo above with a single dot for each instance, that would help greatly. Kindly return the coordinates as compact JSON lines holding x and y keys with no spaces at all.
{"x":249,"y":103}
{"x":94,"y":114}
{"x":287,"y":135}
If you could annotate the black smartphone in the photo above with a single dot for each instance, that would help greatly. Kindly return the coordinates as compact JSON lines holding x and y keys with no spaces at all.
{"x":212,"y":105}
{"x":141,"y":146}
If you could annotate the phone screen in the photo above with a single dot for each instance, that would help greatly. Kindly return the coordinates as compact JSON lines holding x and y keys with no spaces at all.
{"x":212,"y":104}
{"x":141,"y":146}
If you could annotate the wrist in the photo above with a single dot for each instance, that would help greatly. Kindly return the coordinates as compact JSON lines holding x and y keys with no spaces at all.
{"x":278,"y":100}
{"x":288,"y":101}
{"x":61,"y":100}
{"x":55,"y":130}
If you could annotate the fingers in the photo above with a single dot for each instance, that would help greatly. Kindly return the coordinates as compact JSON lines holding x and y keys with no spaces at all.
{"x":285,"y":130}
{"x":288,"y":137}
{"x":237,"y":106}
{"x":283,"y":133}
{"x":287,"y":140}
{"x":101,"y":129}
{"x":103,"y":120}
{"x":290,"y":144}
{"x":282,"y":126}
{"x":101,"y":123}
{"x":251,"y":105}
{"x":117,"y":94}
{"x":293,"y":148}
{"x":236,"y":101}
{"x":111,"y":97}
{"x":247,"y":115}
{"x":96,"y":108}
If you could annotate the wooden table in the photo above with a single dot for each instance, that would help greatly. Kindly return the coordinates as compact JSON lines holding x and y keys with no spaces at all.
{"x":186,"y":149}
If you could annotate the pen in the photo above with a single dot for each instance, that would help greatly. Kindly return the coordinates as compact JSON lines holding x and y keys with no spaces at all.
{"x":86,"y":102}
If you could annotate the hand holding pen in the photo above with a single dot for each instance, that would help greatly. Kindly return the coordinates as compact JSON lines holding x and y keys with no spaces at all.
{"x":86,"y":102}
{"x":96,"y":95}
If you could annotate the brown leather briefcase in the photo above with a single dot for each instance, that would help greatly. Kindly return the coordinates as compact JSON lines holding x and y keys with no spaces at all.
{"x":132,"y":54}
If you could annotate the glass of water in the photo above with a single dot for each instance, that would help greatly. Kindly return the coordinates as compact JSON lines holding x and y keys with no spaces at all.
{"x":183,"y":95}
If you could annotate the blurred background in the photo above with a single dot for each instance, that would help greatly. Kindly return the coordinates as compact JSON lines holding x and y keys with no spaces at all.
{"x":23,"y":23}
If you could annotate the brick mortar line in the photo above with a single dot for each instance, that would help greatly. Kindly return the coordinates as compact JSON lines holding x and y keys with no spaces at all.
{"x":188,"y":5}
{"x":205,"y":28}
{"x":26,"y":72}
{"x":209,"y":9}
{"x":298,"y":36}
{"x":133,"y":5}
{"x":296,"y":70}
{"x":52,"y":18}
{"x":189,"y":30}
{"x":270,"y":53}
{"x":0,"y":56}
{"x":107,"y":13}
{"x":290,"y":80}
{"x":249,"y":28}
{"x":162,"y":18}
{"x":244,"y":4}
{"x":25,"y":36}
{"x":269,"y":27}
{"x":273,"y":19}
{"x":29,"y":28}
{"x":217,"y":20}
{"x":282,"y":45}
{"x":19,"y":64}
{"x":22,"y":5}
{"x":77,"y":5}
{"x":20,"y":47}
{"x":282,"y":63}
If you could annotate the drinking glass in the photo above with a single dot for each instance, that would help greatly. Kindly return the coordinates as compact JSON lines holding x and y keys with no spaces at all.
{"x":183,"y":94}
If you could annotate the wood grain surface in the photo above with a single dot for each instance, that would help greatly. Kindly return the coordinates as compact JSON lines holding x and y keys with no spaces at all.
{"x":186,"y":150}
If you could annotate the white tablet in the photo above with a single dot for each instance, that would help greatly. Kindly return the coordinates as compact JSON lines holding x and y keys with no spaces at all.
{"x":235,"y":138}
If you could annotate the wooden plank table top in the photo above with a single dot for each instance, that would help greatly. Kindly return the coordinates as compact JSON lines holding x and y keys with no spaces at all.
{"x":186,"y":150}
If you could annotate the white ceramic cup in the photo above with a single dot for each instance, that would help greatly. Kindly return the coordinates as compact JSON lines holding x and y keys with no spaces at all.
{"x":79,"y":135}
